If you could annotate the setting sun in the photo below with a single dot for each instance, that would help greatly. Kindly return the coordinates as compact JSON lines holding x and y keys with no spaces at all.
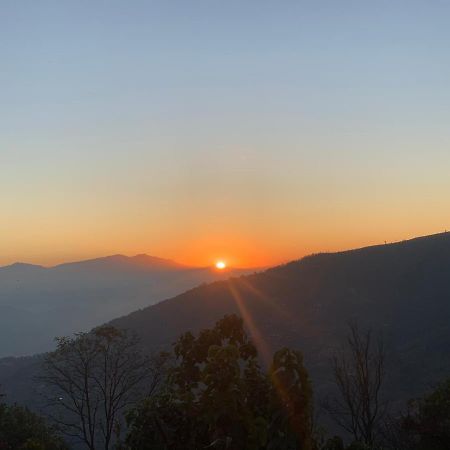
{"x":221,"y":265}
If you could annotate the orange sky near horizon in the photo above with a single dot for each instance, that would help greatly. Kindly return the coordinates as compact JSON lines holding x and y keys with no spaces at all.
{"x":235,"y":251}
{"x":252,"y":211}
{"x":253,"y":132}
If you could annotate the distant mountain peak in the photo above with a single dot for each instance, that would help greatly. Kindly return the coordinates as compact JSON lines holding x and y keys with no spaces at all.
{"x":22,"y":266}
{"x":155,"y":260}
{"x":140,"y":261}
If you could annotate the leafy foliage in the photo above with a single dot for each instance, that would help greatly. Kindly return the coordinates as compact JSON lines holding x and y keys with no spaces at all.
{"x":427,"y":423}
{"x":291,"y":401}
{"x":20,"y":429}
{"x":217,"y":397}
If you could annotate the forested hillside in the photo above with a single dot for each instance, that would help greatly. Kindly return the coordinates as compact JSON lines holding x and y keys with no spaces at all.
{"x":400,"y":290}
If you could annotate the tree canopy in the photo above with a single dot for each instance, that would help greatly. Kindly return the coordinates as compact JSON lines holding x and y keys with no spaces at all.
{"x":217,"y":396}
{"x":428,"y":421}
{"x":21,"y":429}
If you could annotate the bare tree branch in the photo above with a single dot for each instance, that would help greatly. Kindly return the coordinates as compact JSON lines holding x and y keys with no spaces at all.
{"x":92,"y":378}
{"x":359,"y":374}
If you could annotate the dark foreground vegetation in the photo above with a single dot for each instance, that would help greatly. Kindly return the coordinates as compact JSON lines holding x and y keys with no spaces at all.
{"x":213,"y":391}
{"x":20,"y":429}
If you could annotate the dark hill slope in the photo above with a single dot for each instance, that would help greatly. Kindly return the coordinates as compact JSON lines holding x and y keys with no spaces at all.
{"x":401,"y":290}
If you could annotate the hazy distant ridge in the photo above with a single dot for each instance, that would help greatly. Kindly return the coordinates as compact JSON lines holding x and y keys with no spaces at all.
{"x":38,"y":303}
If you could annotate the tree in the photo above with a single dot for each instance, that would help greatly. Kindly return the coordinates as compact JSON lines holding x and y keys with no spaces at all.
{"x":334,"y":443}
{"x":359,"y":374}
{"x":20,"y":429}
{"x":426,"y":425}
{"x":292,"y":402}
{"x":92,"y":378}
{"x":218,"y":397}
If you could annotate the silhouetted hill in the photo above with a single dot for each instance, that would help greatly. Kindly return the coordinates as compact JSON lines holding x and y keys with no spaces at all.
{"x":114,"y":263}
{"x":401,"y":290}
{"x":38,"y":303}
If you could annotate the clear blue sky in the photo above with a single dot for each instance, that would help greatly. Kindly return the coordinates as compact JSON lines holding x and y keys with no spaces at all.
{"x":252,"y":130}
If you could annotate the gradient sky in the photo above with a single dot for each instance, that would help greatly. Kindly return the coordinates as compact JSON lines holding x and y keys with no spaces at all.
{"x":255,"y":131}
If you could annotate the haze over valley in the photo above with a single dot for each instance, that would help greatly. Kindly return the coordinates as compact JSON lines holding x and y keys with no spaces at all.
{"x":39,"y":303}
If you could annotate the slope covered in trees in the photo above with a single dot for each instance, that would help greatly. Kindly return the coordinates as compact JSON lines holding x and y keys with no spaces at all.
{"x":400,"y":290}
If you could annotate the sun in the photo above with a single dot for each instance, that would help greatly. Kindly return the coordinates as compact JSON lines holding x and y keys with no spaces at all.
{"x":220,"y":265}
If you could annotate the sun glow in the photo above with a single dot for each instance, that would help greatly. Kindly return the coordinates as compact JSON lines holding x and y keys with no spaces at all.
{"x":220,"y":265}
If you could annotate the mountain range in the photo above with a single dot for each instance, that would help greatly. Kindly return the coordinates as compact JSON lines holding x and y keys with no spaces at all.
{"x":39,"y":303}
{"x":400,"y":290}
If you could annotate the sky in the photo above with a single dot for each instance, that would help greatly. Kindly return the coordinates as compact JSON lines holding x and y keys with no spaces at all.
{"x":251,"y":131}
